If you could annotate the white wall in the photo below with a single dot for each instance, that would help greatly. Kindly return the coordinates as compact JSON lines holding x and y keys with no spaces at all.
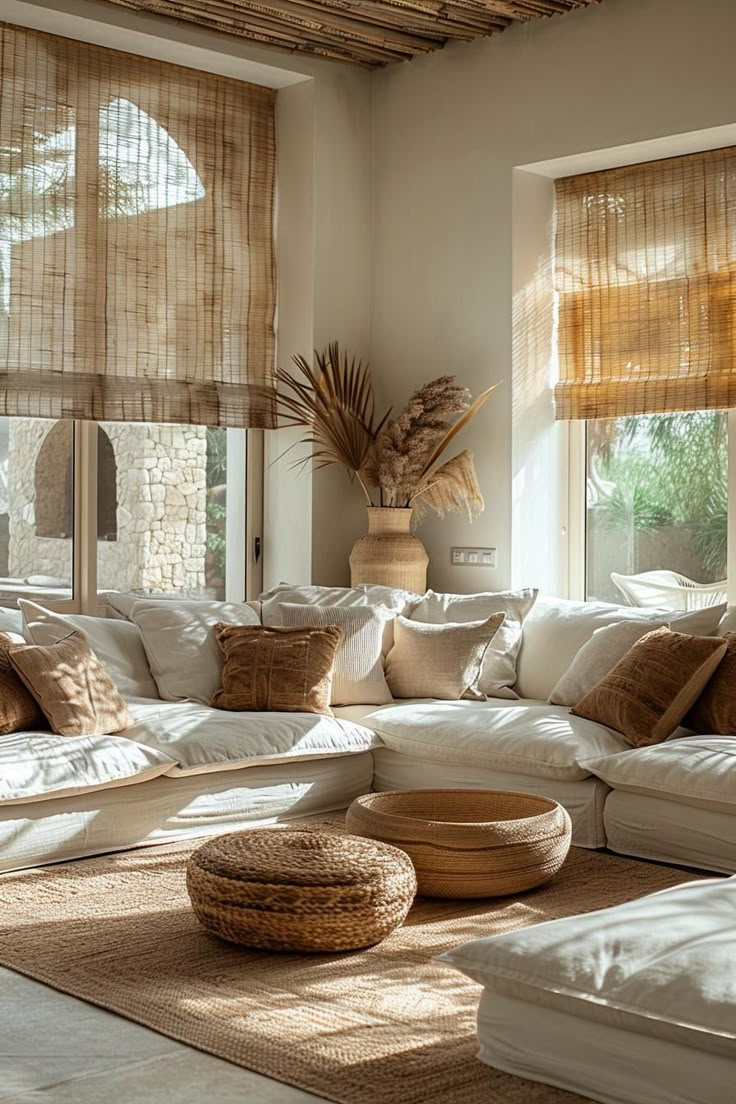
{"x":448,"y":132}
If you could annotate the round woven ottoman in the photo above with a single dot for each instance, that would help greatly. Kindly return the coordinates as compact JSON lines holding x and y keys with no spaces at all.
{"x":290,"y":890}
{"x":468,"y":843}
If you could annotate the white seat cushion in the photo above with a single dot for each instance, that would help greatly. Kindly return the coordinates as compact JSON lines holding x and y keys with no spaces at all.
{"x":529,"y":737}
{"x":35,"y":766}
{"x":661,"y":965}
{"x":697,"y":770}
{"x":556,"y":630}
{"x":117,"y":644}
{"x":201,"y":739}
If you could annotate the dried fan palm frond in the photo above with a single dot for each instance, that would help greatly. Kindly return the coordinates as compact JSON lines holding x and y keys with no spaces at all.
{"x":452,"y":487}
{"x":334,"y":402}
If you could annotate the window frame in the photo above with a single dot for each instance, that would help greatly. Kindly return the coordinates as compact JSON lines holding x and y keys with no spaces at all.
{"x":244,"y":573}
{"x":577,"y":510}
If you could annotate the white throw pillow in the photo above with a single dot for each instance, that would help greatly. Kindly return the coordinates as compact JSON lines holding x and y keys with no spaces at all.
{"x":120,"y":603}
{"x":556,"y":630}
{"x":599,"y":656}
{"x":117,"y":645}
{"x":499,"y":666}
{"x":358,"y":677}
{"x":181,"y":647}
{"x":368,"y":594}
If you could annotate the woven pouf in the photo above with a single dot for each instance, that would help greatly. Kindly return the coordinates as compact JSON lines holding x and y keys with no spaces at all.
{"x":468,"y":843}
{"x":290,"y":890}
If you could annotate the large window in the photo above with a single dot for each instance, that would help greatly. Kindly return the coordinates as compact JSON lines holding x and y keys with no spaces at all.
{"x":656,"y":500}
{"x":86,"y":508}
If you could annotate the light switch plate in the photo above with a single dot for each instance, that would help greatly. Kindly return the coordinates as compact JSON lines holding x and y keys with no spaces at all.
{"x":473,"y":557}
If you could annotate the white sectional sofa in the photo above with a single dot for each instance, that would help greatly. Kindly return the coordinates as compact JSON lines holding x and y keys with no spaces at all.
{"x":185,"y":770}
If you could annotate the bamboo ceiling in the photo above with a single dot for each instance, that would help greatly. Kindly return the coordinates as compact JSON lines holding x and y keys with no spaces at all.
{"x":362,"y":32}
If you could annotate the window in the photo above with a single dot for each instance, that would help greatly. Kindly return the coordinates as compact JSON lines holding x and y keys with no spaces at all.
{"x":169,"y":509}
{"x":656,"y":499}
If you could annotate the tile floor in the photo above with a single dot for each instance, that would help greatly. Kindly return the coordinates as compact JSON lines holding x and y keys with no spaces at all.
{"x":59,"y":1050}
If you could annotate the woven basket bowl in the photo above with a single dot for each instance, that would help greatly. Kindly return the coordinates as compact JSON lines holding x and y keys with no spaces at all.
{"x":468,"y":843}
{"x":290,"y":890}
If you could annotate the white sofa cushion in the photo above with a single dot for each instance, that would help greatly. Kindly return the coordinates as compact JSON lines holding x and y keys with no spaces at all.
{"x":556,"y":630}
{"x":117,"y":644}
{"x":35,"y":766}
{"x":185,"y":660}
{"x":120,"y":603}
{"x":358,"y":677}
{"x":11,"y":620}
{"x":201,"y":739}
{"x":597,"y":657}
{"x":498,"y":673}
{"x":395,"y":600}
{"x":697,"y":770}
{"x":661,"y":965}
{"x":545,"y":741}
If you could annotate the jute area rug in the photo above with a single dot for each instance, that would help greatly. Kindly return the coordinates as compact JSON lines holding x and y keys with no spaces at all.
{"x":386,"y":1024}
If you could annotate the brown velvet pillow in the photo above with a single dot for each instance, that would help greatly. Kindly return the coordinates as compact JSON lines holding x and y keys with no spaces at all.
{"x":72,"y":687}
{"x":276,"y":669}
{"x":19,"y":710}
{"x":715,"y":710}
{"x":649,"y":691}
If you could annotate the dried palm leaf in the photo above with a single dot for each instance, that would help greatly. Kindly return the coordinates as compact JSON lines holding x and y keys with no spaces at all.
{"x":452,"y":487}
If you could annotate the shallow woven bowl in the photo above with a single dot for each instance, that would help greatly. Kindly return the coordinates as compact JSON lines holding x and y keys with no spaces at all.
{"x":468,"y":843}
{"x":290,"y":890}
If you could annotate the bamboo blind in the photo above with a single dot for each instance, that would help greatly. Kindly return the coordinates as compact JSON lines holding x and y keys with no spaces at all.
{"x":136,"y":238}
{"x":646,"y":276}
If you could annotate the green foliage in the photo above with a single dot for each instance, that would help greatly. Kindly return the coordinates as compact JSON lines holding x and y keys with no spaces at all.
{"x":664,"y":470}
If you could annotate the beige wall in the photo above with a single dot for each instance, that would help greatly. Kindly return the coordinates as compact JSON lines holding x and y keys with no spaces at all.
{"x":448,"y":131}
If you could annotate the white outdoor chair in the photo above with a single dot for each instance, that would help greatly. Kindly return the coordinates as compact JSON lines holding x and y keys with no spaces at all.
{"x":668,"y":590}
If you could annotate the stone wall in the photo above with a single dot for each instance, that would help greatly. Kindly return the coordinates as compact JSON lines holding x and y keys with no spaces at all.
{"x":160,"y":485}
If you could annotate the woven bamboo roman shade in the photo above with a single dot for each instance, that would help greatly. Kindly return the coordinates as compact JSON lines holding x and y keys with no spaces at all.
{"x":646,"y":275}
{"x":136,"y":238}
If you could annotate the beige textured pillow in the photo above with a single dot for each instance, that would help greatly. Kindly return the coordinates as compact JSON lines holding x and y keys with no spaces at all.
{"x":599,"y":656}
{"x":650,"y":690}
{"x":439,"y":661}
{"x":19,"y":710}
{"x":72,"y":687}
{"x":714,"y":713}
{"x":276,"y":669}
{"x":358,"y":678}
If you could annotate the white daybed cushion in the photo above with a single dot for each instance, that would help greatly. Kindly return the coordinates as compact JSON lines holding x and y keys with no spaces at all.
{"x":183,"y":654}
{"x":667,"y":830}
{"x":358,"y":677}
{"x":661,"y":965}
{"x":201,"y":739}
{"x":169,"y":809}
{"x":545,"y":741}
{"x":556,"y":629}
{"x":498,"y":673}
{"x":697,"y":770}
{"x":35,"y":766}
{"x":117,"y":644}
{"x":598,"y":657}
{"x":585,"y":1057}
{"x":584,"y":799}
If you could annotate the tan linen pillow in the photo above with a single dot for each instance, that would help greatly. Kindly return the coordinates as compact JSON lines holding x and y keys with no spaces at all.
{"x":439,"y":661}
{"x":358,"y":677}
{"x":276,"y":669}
{"x":650,"y":690}
{"x":72,"y":687}
{"x":714,"y":713}
{"x":19,"y":710}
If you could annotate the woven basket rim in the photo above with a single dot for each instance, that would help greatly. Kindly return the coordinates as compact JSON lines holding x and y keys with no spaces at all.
{"x":371,"y":802}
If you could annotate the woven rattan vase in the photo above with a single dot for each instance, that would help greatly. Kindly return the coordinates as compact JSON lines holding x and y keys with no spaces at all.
{"x":389,"y":554}
{"x":468,"y":843}
{"x":292,"y":890}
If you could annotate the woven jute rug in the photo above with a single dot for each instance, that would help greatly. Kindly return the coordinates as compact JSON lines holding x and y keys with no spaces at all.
{"x":386,"y":1024}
